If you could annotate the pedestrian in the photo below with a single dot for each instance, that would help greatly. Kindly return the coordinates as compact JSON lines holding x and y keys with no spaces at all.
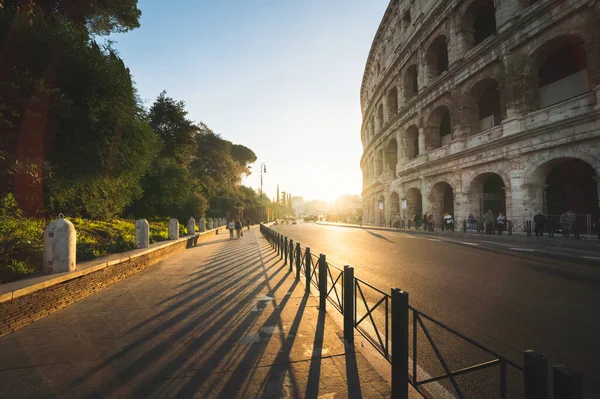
{"x":230,"y":227}
{"x":540,"y":222}
{"x":248,"y":223}
{"x":430,"y":221}
{"x":488,"y":221}
{"x":471,"y":220}
{"x":449,"y":222}
{"x":360,"y":221}
{"x":238,"y":228}
{"x":566,"y":221}
{"x":501,"y":222}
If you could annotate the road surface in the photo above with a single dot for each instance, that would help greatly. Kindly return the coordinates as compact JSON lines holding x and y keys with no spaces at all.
{"x":509,"y":297}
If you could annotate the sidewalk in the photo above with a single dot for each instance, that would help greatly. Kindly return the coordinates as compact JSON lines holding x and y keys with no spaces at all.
{"x":223,"y":320}
{"x":589,"y":243}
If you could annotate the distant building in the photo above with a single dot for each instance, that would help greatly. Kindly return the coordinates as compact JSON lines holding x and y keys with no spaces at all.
{"x":298,"y":205}
{"x":471,"y":105}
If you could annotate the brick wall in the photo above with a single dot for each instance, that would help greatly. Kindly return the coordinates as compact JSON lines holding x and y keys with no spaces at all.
{"x":23,"y":310}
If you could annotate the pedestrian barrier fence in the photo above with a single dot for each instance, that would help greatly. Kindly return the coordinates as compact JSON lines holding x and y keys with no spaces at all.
{"x":401,"y":333}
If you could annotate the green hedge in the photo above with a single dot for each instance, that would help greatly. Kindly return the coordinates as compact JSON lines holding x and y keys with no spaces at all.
{"x":21,"y":239}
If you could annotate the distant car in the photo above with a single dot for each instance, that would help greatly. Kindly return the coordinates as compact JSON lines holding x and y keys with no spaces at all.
{"x":294,"y":222}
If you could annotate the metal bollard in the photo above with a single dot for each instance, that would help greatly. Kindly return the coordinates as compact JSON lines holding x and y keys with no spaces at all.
{"x":297,"y":256}
{"x":307,"y":269}
{"x":464,"y":226}
{"x":349,"y":304}
{"x":510,"y":227}
{"x":535,"y":375}
{"x":285,"y":252}
{"x":551,"y":223}
{"x":322,"y":282}
{"x":290,"y":250}
{"x":568,"y":383}
{"x":399,"y":344}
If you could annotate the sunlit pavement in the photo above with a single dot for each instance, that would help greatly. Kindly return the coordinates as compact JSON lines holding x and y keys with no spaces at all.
{"x":225,"y":319}
{"x":508,"y":296}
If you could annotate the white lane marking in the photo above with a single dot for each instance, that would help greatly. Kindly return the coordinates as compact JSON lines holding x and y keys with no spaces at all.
{"x":433,"y":239}
{"x":590,"y":257}
{"x":471,"y":243}
{"x":523,"y":249}
{"x":436,"y":389}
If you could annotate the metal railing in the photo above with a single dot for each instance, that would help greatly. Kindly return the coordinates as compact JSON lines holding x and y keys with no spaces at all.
{"x":384,"y":320}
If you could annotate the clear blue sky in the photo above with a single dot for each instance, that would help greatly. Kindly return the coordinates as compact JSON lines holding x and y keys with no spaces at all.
{"x":281,"y":77}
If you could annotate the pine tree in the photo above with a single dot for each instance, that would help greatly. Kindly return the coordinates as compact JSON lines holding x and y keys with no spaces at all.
{"x":277,"y":195}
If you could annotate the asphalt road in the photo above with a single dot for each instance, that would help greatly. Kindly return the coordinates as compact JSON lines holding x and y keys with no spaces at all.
{"x":508,"y":297}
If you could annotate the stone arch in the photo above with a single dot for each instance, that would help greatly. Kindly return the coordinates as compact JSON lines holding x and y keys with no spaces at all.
{"x":488,"y":190}
{"x":392,"y":101}
{"x":478,"y":22}
{"x":558,"y":70}
{"x":392,"y":155}
{"x":411,"y":82}
{"x":439,"y":127}
{"x":441,"y":199}
{"x":436,"y":58}
{"x":483,"y":105}
{"x":414,"y":202}
{"x":412,"y":149}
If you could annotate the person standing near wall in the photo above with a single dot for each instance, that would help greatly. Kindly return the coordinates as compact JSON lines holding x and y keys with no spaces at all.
{"x":540,"y":222}
{"x":501,"y":222}
{"x":488,"y":221}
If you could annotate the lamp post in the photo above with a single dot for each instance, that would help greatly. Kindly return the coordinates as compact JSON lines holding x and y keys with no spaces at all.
{"x":263,"y":169}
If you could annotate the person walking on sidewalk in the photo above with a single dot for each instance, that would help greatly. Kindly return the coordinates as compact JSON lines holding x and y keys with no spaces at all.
{"x":230,"y":227}
{"x":448,"y":222}
{"x":488,"y":221}
{"x":567,"y":220}
{"x":501,"y":222}
{"x":430,"y":221}
{"x":248,"y":223}
{"x":471,"y":220}
{"x":238,"y":228}
{"x":540,"y":222}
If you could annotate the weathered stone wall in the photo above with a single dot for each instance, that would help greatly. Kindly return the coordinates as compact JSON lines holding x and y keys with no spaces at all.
{"x":27,"y":304}
{"x":519,"y":148}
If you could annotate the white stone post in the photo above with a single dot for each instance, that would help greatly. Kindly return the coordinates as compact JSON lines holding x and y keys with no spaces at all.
{"x":142,"y":233}
{"x":202,"y":225}
{"x":173,"y":229}
{"x":191,"y":227}
{"x":59,"y":247}
{"x":210,"y":223}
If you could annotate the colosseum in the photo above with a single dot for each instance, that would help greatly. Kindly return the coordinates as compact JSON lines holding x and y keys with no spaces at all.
{"x":470,"y":105}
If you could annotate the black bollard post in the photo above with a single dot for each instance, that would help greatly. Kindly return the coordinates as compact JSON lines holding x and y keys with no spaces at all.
{"x":509,"y":224}
{"x":297,"y":256}
{"x":307,"y":262}
{"x":535,"y":373}
{"x":399,"y":344}
{"x":349,"y":304}
{"x":464,"y":226}
{"x":285,"y":252}
{"x":322,"y":282}
{"x":568,"y":383}
{"x":306,"y":254}
{"x":290,"y":250}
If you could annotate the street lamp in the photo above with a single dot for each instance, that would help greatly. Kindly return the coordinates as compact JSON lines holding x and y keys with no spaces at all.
{"x":263,"y":169}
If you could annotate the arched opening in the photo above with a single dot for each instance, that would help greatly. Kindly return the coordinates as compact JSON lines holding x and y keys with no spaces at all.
{"x":439,"y":128}
{"x":392,"y":155}
{"x":394,"y":206}
{"x":412,"y":142}
{"x":380,"y":115}
{"x":392,"y":102}
{"x":489,"y":107}
{"x":406,"y":20}
{"x":488,"y":192}
{"x":442,"y":200}
{"x":379,"y":163}
{"x":479,"y":22}
{"x":414,"y":202}
{"x":571,"y":185}
{"x":563,"y":74}
{"x":437,"y":57}
{"x":411,"y":82}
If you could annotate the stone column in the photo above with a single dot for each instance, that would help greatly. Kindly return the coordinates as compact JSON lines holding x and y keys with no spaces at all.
{"x":506,"y":12}
{"x":142,"y":233}
{"x":191,"y":227}
{"x":210,"y":223}
{"x":533,"y":201}
{"x":515,"y":93}
{"x":59,"y":255}
{"x":598,"y":191}
{"x":202,"y":225}
{"x":422,"y":141}
{"x":592,"y":51}
{"x":173,"y":229}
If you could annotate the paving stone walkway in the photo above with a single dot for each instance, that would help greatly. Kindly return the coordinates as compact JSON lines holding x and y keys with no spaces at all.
{"x":223,"y":320}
